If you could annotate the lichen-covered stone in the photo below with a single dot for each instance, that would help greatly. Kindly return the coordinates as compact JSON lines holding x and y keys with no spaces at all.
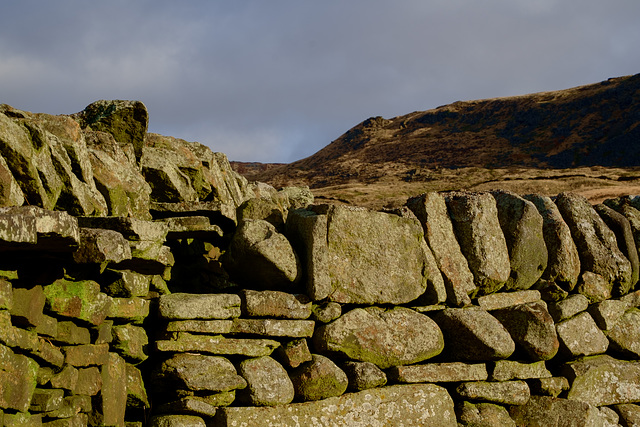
{"x":623,"y":337}
{"x":431,"y":210}
{"x":86,"y":355}
{"x":580,"y":336}
{"x":98,"y":246}
{"x":477,"y":228}
{"x":629,"y":414}
{"x":522,"y":226}
{"x":130,"y":342}
{"x":507,"y":299}
{"x":353,"y":255}
{"x":217,"y":344}
{"x":117,"y":176}
{"x":414,"y":404}
{"x":596,"y":243}
{"x":504,"y":392}
{"x":325,"y":313}
{"x":563,"y":266}
{"x":18,"y":375}
{"x":472,"y":334}
{"x":268,"y":384}
{"x":363,"y":375}
{"x":126,"y":283}
{"x":176,"y":421}
{"x":626,"y":243}
{"x":45,"y":400}
{"x":197,"y":372}
{"x":70,"y":333}
{"x":483,"y":414}
{"x":603,"y":380}
{"x":294,"y":353}
{"x":273,"y":327}
{"x":607,"y":313}
{"x":541,"y":411}
{"x":275,"y":304}
{"x":274,"y":263}
{"x":318,"y":379}
{"x":569,"y":307}
{"x":382,"y":337}
{"x":89,"y":381}
{"x":551,"y":386}
{"x":439,"y":372}
{"x":133,"y":309}
{"x":27,"y":306}
{"x":505,"y":370}
{"x":182,"y":306}
{"x":78,"y":299}
{"x":532,"y":328}
{"x":136,"y":392}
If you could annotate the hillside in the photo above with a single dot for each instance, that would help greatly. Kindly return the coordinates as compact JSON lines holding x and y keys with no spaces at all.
{"x":589,"y":126}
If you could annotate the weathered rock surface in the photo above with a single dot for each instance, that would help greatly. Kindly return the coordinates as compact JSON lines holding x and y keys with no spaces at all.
{"x":275,"y":304}
{"x":268,"y":383}
{"x":563,"y":266}
{"x":523,"y":230}
{"x":623,"y":337}
{"x":504,"y":392}
{"x":580,"y":336}
{"x":603,"y":380}
{"x":472,"y":334}
{"x":483,"y":414}
{"x":431,"y":210}
{"x":318,"y":379}
{"x":198,"y":372}
{"x":378,"y":336}
{"x":505,"y":370}
{"x":356,"y":256}
{"x":532,"y":328}
{"x":440,"y":372}
{"x":182,"y":306}
{"x":18,"y":378}
{"x":415,"y":404}
{"x":626,"y":243}
{"x":257,"y":243}
{"x":363,"y":375}
{"x":477,"y":228}
{"x":596,"y":243}
{"x":544,"y":411}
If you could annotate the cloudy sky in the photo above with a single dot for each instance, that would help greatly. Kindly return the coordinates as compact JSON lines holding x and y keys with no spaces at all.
{"x":276,"y":80}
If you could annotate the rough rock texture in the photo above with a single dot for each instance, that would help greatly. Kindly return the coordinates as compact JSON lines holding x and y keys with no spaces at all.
{"x":198,"y":372}
{"x":199,"y":306}
{"x":563,"y":266}
{"x":416,"y":404}
{"x":504,"y":392}
{"x":483,"y":414}
{"x":364,"y":375}
{"x":268,"y":384}
{"x":544,"y":411}
{"x":603,"y":380}
{"x":319,"y":379}
{"x":431,"y":210}
{"x":523,"y":230}
{"x":580,"y":336}
{"x":477,"y":228}
{"x":257,"y":243}
{"x":375,"y":335}
{"x":472,"y":334}
{"x":532,"y":328}
{"x":357,"y":256}
{"x":596,"y":243}
{"x":623,"y":337}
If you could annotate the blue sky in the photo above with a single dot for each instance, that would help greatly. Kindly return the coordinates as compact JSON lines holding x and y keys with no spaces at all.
{"x":275,"y":81}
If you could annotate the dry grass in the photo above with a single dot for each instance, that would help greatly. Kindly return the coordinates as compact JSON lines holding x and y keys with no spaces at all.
{"x":597,"y":184}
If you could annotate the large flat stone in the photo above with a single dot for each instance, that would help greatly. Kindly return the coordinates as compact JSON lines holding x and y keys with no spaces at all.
{"x":398,"y":336}
{"x":415,"y":404}
{"x":181,"y":306}
{"x":440,"y":372}
{"x":185,"y":342}
{"x":358,"y":256}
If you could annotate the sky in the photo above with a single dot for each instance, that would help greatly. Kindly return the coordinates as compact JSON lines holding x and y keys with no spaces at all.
{"x":277,"y":80}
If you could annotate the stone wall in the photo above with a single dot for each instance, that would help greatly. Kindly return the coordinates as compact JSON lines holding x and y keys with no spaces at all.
{"x":204,"y":300}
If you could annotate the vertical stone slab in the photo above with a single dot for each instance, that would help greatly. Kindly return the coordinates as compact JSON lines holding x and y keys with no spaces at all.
{"x":477,"y":228}
{"x":307,"y":232}
{"x":522,"y":227}
{"x":596,"y":243}
{"x":113,"y":396}
{"x":431,"y":211}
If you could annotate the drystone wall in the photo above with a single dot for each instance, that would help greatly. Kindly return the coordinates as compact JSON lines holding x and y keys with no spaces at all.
{"x":144,"y":283}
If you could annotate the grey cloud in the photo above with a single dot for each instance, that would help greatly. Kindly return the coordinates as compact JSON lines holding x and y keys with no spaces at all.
{"x":278,"y":80}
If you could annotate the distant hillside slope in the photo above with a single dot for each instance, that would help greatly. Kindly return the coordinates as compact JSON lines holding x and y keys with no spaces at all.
{"x":592,"y":125}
